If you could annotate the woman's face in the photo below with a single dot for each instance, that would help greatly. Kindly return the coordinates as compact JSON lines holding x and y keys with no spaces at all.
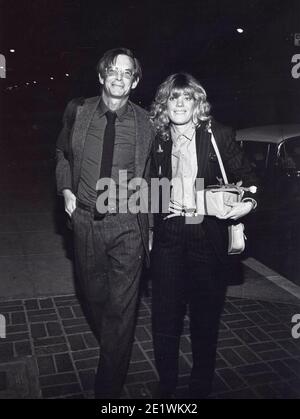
{"x":180,"y":108}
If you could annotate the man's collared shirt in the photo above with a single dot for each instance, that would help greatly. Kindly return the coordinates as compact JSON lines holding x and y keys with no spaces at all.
{"x":123,"y":157}
{"x":184,"y":170}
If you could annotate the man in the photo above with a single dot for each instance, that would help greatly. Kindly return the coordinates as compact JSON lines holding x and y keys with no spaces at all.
{"x":109,"y":134}
{"x":189,"y":259}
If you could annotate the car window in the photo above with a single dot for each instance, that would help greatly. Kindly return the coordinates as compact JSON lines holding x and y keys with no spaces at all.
{"x":257,"y":153}
{"x":289,"y":154}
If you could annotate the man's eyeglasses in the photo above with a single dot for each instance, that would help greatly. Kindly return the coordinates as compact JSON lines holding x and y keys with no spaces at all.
{"x":115,"y":72}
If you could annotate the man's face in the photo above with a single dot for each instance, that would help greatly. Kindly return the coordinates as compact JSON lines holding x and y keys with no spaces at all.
{"x":119,"y":81}
{"x":180,"y":108}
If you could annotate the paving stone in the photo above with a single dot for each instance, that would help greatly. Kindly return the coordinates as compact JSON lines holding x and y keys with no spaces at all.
{"x":6,"y":352}
{"x":76,"y":342}
{"x":18,"y":318}
{"x":54,"y":329}
{"x":294,"y":365}
{"x":281,"y":369}
{"x":291,"y":346}
{"x":246,"y":354}
{"x":245,"y":336}
{"x":10,"y":303}
{"x":43,"y":318}
{"x":254,"y":369}
{"x":259,"y":334}
{"x":46,"y":303}
{"x":265,"y":346}
{"x":63,"y":363}
{"x":244,"y":393}
{"x":231,"y":378}
{"x":38,"y":330}
{"x":274,"y":355}
{"x":14,"y":337}
{"x":86,"y":364}
{"x":56,"y":379}
{"x":65,"y":312}
{"x":23,"y":348}
{"x":49,"y":341}
{"x":231,"y":357}
{"x":10,"y":309}
{"x":230,"y":308}
{"x":71,"y":330}
{"x":218,"y":384}
{"x":32,"y":304}
{"x":86,"y":354}
{"x":228,"y":318}
{"x":141,"y":334}
{"x":77,"y":310}
{"x":264,"y":378}
{"x":3,"y":381}
{"x":53,"y":349}
{"x":46,"y":365}
{"x":137,"y":354}
{"x":74,"y":322}
{"x":90,"y":340}
{"x":226,"y":343}
{"x":63,"y":390}
{"x":17,"y":328}
{"x":241,"y":324}
{"x":220,"y":363}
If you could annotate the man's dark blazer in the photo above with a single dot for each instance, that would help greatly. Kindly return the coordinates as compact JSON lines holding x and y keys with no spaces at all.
{"x":70,"y":147}
{"x":236,"y":166}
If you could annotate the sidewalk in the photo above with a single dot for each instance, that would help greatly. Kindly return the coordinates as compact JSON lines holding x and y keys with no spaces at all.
{"x":50,"y":352}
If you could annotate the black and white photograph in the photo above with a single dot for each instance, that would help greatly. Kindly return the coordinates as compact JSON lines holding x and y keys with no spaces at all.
{"x":149,"y":202}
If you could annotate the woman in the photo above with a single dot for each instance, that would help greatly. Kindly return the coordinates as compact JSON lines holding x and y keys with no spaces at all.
{"x":189,"y":257}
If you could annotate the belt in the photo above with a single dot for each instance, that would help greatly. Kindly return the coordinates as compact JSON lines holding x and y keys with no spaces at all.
{"x":183,"y":213}
{"x":92,"y":210}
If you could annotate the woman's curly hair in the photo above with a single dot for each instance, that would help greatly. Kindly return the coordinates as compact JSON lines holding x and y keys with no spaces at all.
{"x":173,"y":86}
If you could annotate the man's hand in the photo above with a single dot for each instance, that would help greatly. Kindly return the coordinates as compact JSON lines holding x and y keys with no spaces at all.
{"x":237,"y":210}
{"x":70,"y":201}
{"x":150,"y":239}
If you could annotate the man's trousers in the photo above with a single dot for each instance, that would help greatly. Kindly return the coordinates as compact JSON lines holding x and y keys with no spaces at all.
{"x":108,"y":258}
{"x":186,"y":273}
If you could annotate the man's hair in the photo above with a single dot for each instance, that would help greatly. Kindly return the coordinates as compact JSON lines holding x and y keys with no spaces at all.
{"x":109,"y":58}
{"x":173,"y":86}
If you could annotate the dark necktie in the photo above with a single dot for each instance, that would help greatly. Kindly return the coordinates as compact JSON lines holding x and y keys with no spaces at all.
{"x":107,"y":155}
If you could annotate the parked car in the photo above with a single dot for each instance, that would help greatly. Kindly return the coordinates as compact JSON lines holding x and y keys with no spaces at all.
{"x":274,"y":152}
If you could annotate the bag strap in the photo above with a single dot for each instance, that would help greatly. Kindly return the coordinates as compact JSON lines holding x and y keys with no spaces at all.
{"x":215,"y":146}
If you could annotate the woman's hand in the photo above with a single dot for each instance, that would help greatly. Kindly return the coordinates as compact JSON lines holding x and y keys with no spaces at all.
{"x":237,"y":210}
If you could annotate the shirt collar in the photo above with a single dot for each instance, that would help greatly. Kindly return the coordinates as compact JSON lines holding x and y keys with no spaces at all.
{"x":120,"y":112}
{"x":188,"y":133}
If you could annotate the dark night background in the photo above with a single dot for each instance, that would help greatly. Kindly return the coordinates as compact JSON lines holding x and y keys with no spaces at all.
{"x":247,"y":76}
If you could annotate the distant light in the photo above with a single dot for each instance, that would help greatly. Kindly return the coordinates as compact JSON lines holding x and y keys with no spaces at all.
{"x":240,"y":30}
{"x":1,"y":67}
{"x":51,"y":78}
{"x":12,"y":50}
{"x":27,"y":84}
{"x":67,"y":75}
{"x":34,"y":82}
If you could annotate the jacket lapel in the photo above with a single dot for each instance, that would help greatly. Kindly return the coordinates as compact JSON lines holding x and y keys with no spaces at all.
{"x":83,"y":119}
{"x":202,"y":148}
{"x":143,"y":140}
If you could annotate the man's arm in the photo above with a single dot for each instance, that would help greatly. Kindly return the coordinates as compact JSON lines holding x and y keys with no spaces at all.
{"x":63,"y":167}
